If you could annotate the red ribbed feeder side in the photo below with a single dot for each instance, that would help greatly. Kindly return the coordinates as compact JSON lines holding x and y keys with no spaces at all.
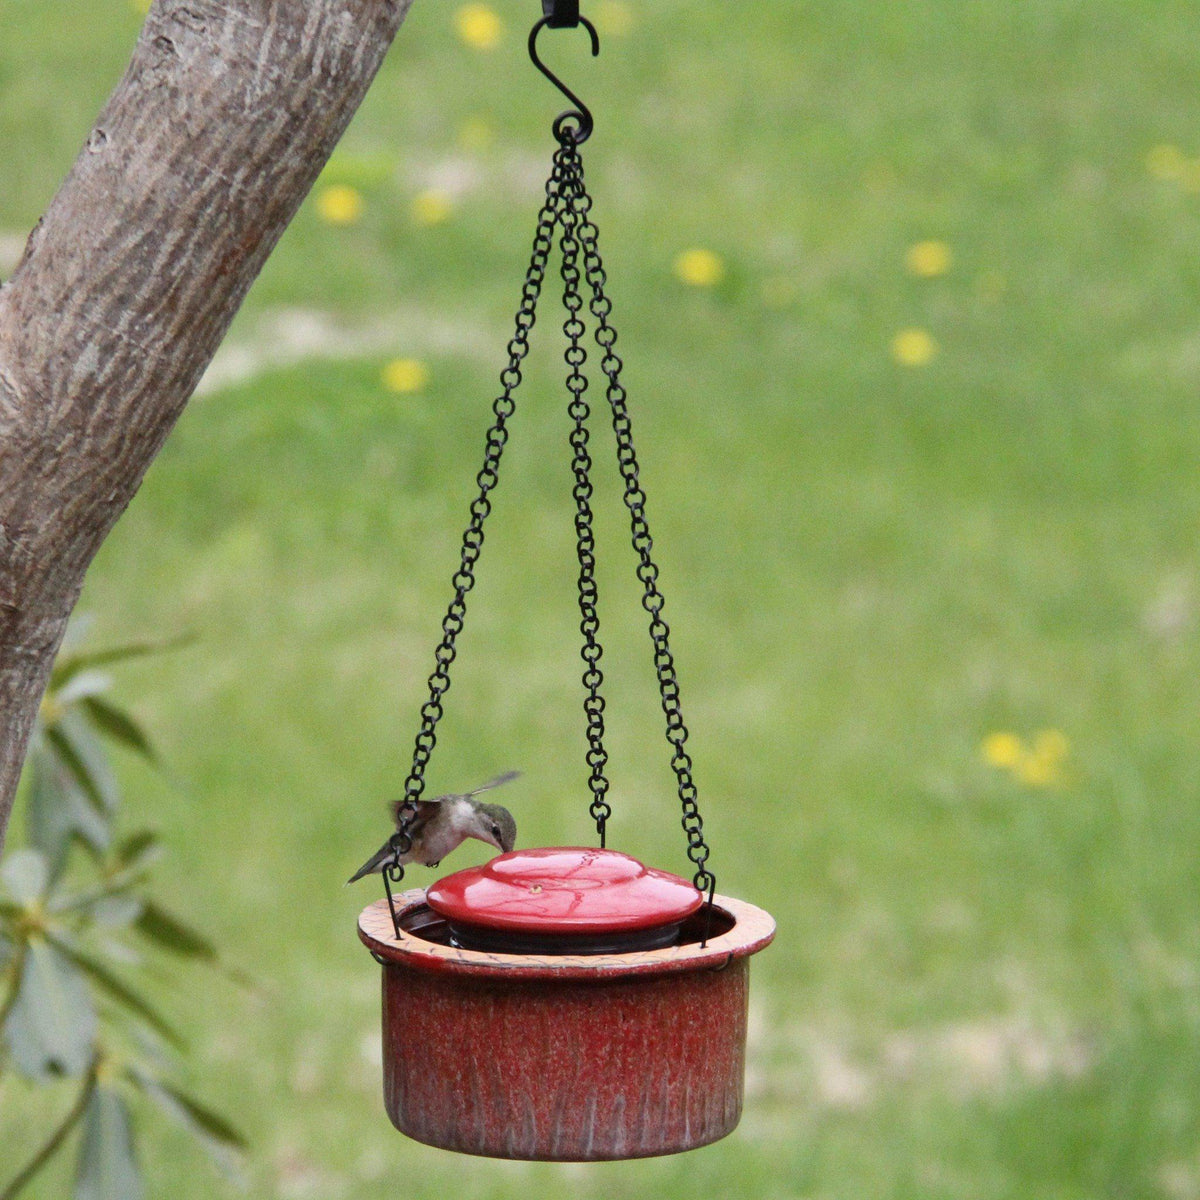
{"x":560,"y":1055}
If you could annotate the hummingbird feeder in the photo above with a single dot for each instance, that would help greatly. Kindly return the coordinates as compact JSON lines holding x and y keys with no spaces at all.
{"x":565,"y":1003}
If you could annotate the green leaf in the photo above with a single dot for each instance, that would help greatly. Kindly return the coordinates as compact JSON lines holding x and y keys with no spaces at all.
{"x":64,"y":750}
{"x":138,"y":850}
{"x":49,"y":810}
{"x":71,"y":664}
{"x":119,"y":725}
{"x":108,"y":1168}
{"x":189,"y":1112}
{"x":58,"y":808}
{"x":117,"y":989}
{"x":26,"y":876}
{"x":75,"y":728}
{"x":52,"y":1024}
{"x":172,"y":934}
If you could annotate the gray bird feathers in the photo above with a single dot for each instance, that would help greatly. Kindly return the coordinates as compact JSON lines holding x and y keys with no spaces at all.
{"x":503,"y":827}
{"x":442,"y":823}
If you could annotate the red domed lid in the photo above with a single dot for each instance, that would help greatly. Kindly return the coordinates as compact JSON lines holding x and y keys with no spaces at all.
{"x":564,"y":890}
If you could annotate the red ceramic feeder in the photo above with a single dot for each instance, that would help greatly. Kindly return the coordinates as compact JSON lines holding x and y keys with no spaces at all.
{"x":564,"y":1004}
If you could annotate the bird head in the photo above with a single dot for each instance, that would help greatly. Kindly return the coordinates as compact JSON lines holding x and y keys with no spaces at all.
{"x":494,"y":824}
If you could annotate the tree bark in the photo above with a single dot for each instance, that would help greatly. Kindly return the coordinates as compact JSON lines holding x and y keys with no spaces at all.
{"x":225,"y":116}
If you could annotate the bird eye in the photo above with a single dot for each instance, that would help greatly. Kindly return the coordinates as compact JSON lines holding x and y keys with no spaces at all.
{"x":495,"y":831}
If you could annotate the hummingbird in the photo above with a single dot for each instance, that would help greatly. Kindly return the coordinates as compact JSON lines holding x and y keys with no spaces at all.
{"x":443,"y":823}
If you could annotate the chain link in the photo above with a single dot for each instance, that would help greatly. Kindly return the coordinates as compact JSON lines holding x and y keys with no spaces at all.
{"x":579,"y":410}
{"x":635,"y":500}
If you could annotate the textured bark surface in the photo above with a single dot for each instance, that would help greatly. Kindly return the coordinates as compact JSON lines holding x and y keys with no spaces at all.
{"x":201,"y":157}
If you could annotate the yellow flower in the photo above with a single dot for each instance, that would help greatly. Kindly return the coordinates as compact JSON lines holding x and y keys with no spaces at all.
{"x":914,"y":348}
{"x":1037,"y":770}
{"x":700,"y":268}
{"x":1051,"y":745}
{"x":431,"y":207}
{"x":1003,"y":750}
{"x":478,"y":26}
{"x":475,"y":133}
{"x":614,"y":18}
{"x":339,"y":204}
{"x":1165,"y":162}
{"x":405,"y":375}
{"x":1037,"y":766}
{"x":928,"y":259}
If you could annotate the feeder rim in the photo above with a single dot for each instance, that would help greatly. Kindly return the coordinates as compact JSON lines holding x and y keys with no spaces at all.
{"x":753,"y":930}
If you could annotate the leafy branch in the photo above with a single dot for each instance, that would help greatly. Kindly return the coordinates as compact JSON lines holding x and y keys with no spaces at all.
{"x":75,"y":910}
{"x":56,"y":1139}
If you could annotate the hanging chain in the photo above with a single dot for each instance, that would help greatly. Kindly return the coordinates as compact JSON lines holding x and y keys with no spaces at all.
{"x":567,"y":206}
{"x":464,"y":578}
{"x":589,"y":625}
{"x":635,"y":501}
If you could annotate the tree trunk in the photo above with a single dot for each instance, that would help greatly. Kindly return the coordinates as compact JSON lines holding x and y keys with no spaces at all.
{"x":201,"y":157}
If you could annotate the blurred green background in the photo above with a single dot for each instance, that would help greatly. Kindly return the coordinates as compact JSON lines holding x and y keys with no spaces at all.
{"x":909,"y":297}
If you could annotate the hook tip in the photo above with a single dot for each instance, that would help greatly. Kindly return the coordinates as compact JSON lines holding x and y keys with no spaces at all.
{"x":592,"y":32}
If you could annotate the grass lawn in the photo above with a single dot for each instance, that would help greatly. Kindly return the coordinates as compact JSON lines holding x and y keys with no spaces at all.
{"x":986,"y":983}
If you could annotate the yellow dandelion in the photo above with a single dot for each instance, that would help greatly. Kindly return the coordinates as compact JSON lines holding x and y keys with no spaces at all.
{"x":405,"y":375}
{"x":475,"y":133}
{"x":339,"y":204}
{"x":914,"y":348}
{"x":1003,"y":750}
{"x":1165,"y":162}
{"x":431,"y":207}
{"x":479,"y":26}
{"x":928,"y":259}
{"x":614,"y":18}
{"x":1051,"y":745}
{"x":1038,"y":770}
{"x":700,"y":268}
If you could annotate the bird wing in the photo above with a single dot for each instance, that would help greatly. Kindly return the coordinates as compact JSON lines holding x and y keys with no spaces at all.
{"x":507,"y":777}
{"x":426,"y":811}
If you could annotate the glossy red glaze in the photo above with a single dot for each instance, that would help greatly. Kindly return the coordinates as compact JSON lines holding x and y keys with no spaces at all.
{"x":564,"y":890}
{"x":559,"y":1057}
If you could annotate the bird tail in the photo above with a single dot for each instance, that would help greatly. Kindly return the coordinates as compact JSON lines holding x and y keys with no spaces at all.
{"x":507,"y":777}
{"x":373,"y":863}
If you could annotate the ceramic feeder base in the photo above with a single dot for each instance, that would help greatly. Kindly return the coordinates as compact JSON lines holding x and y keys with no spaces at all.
{"x":567,"y":1058}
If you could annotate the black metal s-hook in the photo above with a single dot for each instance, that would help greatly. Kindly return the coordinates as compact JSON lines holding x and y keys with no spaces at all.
{"x":575,"y":124}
